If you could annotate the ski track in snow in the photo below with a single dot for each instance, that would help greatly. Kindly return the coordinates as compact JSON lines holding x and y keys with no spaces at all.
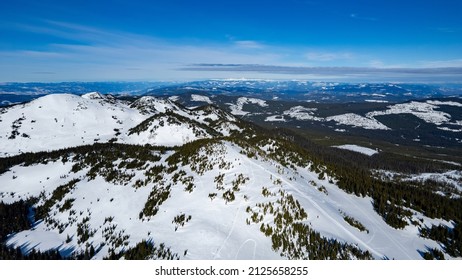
{"x":377,"y":225}
{"x":234,"y":223}
{"x":242,"y":245}
{"x":217,"y":254}
{"x":320,"y":209}
{"x":340,"y":226}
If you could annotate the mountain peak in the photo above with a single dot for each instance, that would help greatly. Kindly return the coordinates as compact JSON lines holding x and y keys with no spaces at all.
{"x":151,"y":105}
{"x":93,"y":95}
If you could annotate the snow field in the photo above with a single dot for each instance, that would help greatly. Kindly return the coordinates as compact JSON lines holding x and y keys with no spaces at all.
{"x":217,"y":229}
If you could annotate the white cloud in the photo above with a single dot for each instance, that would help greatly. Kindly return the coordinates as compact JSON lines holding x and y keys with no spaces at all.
{"x":328,"y":56}
{"x":377,"y":63}
{"x":247,"y":44}
{"x":443,"y":63}
{"x":113,"y":53}
{"x":100,"y":54}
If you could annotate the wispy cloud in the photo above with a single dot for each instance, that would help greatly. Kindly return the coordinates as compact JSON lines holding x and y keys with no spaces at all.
{"x":360,"y":17}
{"x":322,"y":70}
{"x":89,"y":51}
{"x":248,"y":44}
{"x":453,"y":73}
{"x":378,"y":63}
{"x":78,"y":52}
{"x":443,"y":63}
{"x":328,"y":56}
{"x":44,"y":73}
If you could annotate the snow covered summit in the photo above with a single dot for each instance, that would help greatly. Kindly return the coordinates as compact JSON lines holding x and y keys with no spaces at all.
{"x":58,"y":121}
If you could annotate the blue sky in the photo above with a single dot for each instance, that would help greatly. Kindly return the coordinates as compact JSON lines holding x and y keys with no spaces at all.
{"x":185,"y":40}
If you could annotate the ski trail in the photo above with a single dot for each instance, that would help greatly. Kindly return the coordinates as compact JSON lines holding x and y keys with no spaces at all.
{"x":378,"y":226}
{"x":254,"y":248}
{"x":320,"y":209}
{"x":334,"y":221}
{"x":217,"y":254}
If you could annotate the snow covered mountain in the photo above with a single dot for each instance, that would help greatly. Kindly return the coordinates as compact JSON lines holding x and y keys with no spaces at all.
{"x":107,"y":178}
{"x":65,"y":120}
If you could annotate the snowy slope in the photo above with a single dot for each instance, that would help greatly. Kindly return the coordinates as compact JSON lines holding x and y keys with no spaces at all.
{"x":201,"y":98}
{"x":356,"y":120}
{"x":63,"y":120}
{"x":358,"y":149}
{"x":301,"y":113}
{"x":199,"y":185}
{"x":237,"y":109}
{"x":151,"y":105}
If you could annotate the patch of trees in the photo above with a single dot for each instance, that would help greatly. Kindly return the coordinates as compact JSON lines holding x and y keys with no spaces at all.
{"x":383,"y":160}
{"x":181,"y":220}
{"x":228,"y":196}
{"x":57,"y":196}
{"x":14,"y":218}
{"x":433,"y":254}
{"x":90,"y":154}
{"x":354,"y":223}
{"x":450,"y":238}
{"x":219,"y":181}
{"x":15,"y":126}
{"x":184,"y":153}
{"x":83,"y":230}
{"x":292,"y":237}
{"x":145,"y":250}
{"x":390,"y":198}
{"x":172,"y":118}
{"x":202,"y":155}
{"x":158,"y":195}
{"x":7,"y":253}
{"x":239,"y":181}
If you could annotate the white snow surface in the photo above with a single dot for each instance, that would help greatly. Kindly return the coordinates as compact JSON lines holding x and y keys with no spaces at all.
{"x":358,"y":149}
{"x":275,"y":118}
{"x":58,"y":121}
{"x":446,"y":103}
{"x":236,"y":109}
{"x":425,"y":111}
{"x":151,"y":105}
{"x":449,"y":129}
{"x":376,"y":101}
{"x":64,"y":120}
{"x":452,"y":178}
{"x":201,"y":98}
{"x":356,"y":120}
{"x":302,"y":113}
{"x":217,"y":230}
{"x":174,"y":98}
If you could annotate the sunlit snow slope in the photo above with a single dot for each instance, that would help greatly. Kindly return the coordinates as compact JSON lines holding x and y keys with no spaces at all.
{"x":64,"y":120}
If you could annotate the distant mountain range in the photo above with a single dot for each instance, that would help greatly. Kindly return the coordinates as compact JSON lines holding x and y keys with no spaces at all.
{"x":264,"y":89}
